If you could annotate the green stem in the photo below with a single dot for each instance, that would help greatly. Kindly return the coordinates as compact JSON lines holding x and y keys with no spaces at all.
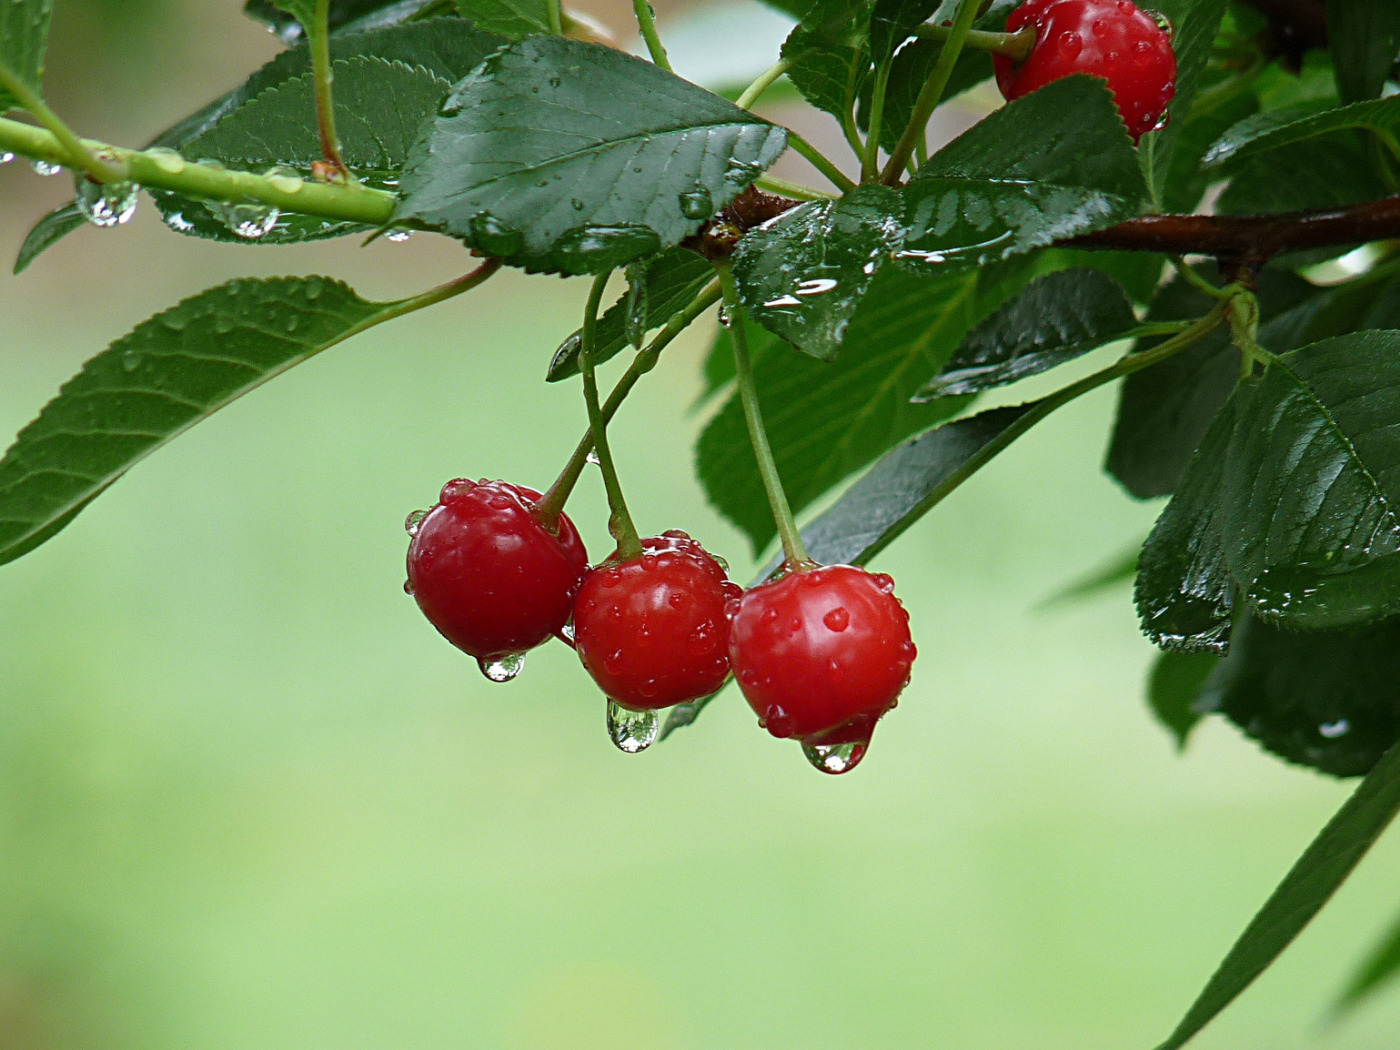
{"x":1015,"y":46}
{"x":820,"y":162}
{"x":646,"y":20}
{"x":932,"y":92}
{"x":620,"y":523}
{"x":432,"y":297}
{"x":556,"y":17}
{"x":795,"y":190}
{"x":319,"y":39}
{"x":1190,"y":275}
{"x":794,"y":551}
{"x":1039,"y":410}
{"x":167,"y":171}
{"x":766,"y":79}
{"x":551,"y":504}
{"x":870,"y":161}
{"x":848,"y":114}
{"x":75,"y":153}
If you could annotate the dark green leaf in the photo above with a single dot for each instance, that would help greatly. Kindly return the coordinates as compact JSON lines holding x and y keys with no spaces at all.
{"x":362,"y":14}
{"x":1174,"y":687}
{"x":804,"y":274}
{"x":827,"y":420}
{"x":1053,"y":164}
{"x":1326,"y":172}
{"x":1056,"y":319}
{"x":1329,"y":700}
{"x":512,"y":18}
{"x":1380,"y":968}
{"x":1282,"y":127}
{"x":24,"y":34}
{"x":899,"y":489}
{"x":169,"y":373}
{"x":574,"y":158}
{"x":1196,"y":24}
{"x":1219,"y":105}
{"x":673,"y":279}
{"x":1365,"y":42}
{"x":1322,"y":868}
{"x":304,"y":11}
{"x":1184,"y":594}
{"x":892,"y":22}
{"x":830,"y":54}
{"x":47,"y":232}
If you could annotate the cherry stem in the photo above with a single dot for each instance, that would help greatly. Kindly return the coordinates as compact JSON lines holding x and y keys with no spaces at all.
{"x":932,"y":92}
{"x":820,"y":161}
{"x":1015,"y":46}
{"x":620,"y":522}
{"x":319,"y":39}
{"x":78,"y":154}
{"x":556,"y":17}
{"x":794,"y":550}
{"x":646,"y":21}
{"x":765,"y":80}
{"x":551,"y":504}
{"x":870,"y":159}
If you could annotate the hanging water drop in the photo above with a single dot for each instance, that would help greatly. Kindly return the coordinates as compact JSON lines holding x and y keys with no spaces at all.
{"x":632,"y":731}
{"x":398,"y":236}
{"x":413,"y":521}
{"x":44,"y":167}
{"x":251,"y":221}
{"x":5,"y":157}
{"x":592,"y":458}
{"x":502,"y":668}
{"x":696,"y":203}
{"x":835,"y":758}
{"x":105,"y":204}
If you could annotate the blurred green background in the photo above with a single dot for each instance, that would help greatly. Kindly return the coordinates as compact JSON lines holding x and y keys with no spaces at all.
{"x":249,"y":799}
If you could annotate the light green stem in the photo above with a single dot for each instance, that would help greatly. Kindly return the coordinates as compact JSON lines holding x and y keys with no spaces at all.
{"x":319,"y":40}
{"x":646,"y":21}
{"x":766,"y":79}
{"x":75,"y":153}
{"x":794,"y":551}
{"x":164,"y":170}
{"x":794,"y":190}
{"x":870,"y":161}
{"x":820,"y":162}
{"x":556,"y":17}
{"x":932,"y":92}
{"x":1015,"y":46}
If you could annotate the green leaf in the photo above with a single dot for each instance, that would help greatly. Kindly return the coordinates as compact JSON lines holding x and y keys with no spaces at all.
{"x":304,"y":11}
{"x":1365,"y":43}
{"x":1326,"y":172}
{"x":1196,"y":24}
{"x":1180,"y":185}
{"x":512,"y":18}
{"x":1056,"y":319}
{"x":1380,"y":968}
{"x":830,"y":54}
{"x":827,"y":420}
{"x":1184,"y":594}
{"x":363,"y":14}
{"x":804,"y":274}
{"x":673,"y":280}
{"x":1119,"y":569}
{"x":567,"y":157}
{"x":1328,"y":700}
{"x":47,"y":232}
{"x":1282,"y":127}
{"x":1174,"y":687}
{"x":1312,"y":474}
{"x":893,"y":21}
{"x":155,"y":383}
{"x":24,"y":34}
{"x":1051,"y":165}
{"x":902,"y":487}
{"x":1322,"y":868}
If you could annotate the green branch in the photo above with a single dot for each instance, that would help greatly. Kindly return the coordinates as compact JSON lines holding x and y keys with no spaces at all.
{"x":75,"y":153}
{"x":319,"y":39}
{"x":556,"y":17}
{"x":164,"y":170}
{"x":646,"y":21}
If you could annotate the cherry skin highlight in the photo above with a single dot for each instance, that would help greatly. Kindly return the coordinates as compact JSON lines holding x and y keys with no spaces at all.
{"x":1112,"y":39}
{"x":821,"y":654}
{"x":652,"y":630}
{"x":488,"y":574}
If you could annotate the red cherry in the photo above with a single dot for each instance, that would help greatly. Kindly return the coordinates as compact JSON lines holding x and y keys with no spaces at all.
{"x":820,"y":655}
{"x":489,"y":575}
{"x":1112,"y":39}
{"x":652,"y":630}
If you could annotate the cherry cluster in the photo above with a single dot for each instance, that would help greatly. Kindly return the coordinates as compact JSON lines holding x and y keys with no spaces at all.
{"x":819,"y":652}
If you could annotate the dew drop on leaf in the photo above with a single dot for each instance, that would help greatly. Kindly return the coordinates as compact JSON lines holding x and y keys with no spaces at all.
{"x":632,"y":731}
{"x":697,"y":203}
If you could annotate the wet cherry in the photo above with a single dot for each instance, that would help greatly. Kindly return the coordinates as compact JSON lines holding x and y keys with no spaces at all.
{"x":820,"y":655}
{"x":1112,"y":39}
{"x":652,"y":630}
{"x":489,"y":575}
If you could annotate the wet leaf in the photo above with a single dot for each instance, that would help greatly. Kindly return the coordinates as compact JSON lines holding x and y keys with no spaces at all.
{"x":512,"y":18}
{"x":47,"y":232}
{"x":804,"y":274}
{"x":169,"y":373}
{"x":830,"y":54}
{"x":343,"y":14}
{"x":1282,"y":127}
{"x":24,"y":34}
{"x":567,"y":157}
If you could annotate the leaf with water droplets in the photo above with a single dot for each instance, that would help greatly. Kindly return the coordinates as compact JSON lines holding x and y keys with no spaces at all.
{"x":803,"y":274}
{"x":1282,"y":127}
{"x":1056,"y":319}
{"x":568,"y":157}
{"x":673,"y":280}
{"x":24,"y":33}
{"x":1052,"y":165}
{"x":149,"y":386}
{"x":827,"y":420}
{"x":1318,"y":873}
